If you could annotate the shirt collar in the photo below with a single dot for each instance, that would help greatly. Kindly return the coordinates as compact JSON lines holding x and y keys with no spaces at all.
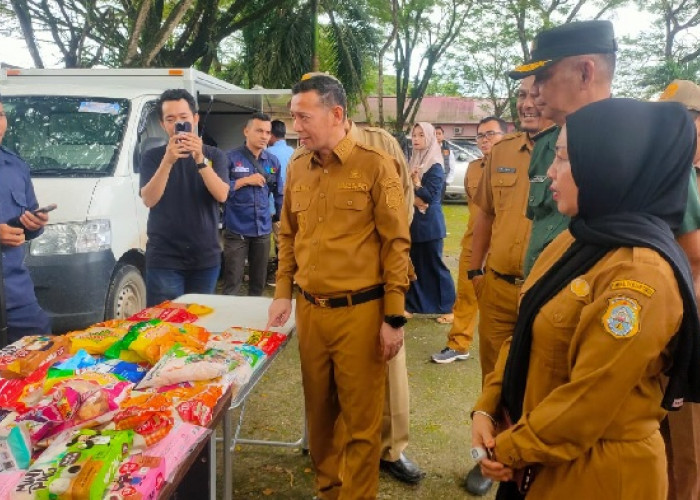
{"x":341,"y":151}
{"x":263,"y":153}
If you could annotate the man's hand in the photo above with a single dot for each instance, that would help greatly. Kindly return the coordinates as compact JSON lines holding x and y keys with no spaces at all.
{"x":390,"y":341}
{"x":176,"y":149}
{"x":34,"y":222}
{"x":11,"y":236}
{"x":478,"y":284}
{"x":251,"y":180}
{"x":279,"y":312}
{"x":192,"y":143}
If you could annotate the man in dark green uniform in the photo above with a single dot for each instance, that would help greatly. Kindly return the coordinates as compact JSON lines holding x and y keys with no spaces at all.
{"x":574,"y":65}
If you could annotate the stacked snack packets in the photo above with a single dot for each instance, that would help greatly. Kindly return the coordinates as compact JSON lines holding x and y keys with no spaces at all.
{"x":139,"y":477}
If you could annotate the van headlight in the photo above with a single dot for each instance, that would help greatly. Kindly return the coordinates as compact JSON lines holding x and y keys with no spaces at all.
{"x":73,"y":237}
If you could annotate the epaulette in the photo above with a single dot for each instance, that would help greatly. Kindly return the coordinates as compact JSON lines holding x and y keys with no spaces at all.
{"x":478,"y":160}
{"x":367,"y":147}
{"x":510,"y":136}
{"x":299,"y":152}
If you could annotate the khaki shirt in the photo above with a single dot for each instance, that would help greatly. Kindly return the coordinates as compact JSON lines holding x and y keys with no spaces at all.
{"x":343,"y":226}
{"x":503,"y":194}
{"x":597,"y":359}
{"x":475,"y":170}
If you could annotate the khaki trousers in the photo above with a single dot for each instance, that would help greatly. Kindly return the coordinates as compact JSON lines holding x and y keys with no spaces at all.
{"x":681,"y":433}
{"x":395,"y":417}
{"x":343,"y":375}
{"x":466,"y":306}
{"x":498,"y":310}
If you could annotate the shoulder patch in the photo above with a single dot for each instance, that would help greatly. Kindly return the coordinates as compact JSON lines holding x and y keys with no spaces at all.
{"x":621,"y":318}
{"x":637,"y":286}
{"x":393,"y":191}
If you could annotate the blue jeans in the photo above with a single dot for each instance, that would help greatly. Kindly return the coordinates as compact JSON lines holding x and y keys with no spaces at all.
{"x":166,"y":284}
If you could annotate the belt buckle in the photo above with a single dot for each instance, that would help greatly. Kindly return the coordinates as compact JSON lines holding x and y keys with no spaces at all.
{"x":322,"y":302}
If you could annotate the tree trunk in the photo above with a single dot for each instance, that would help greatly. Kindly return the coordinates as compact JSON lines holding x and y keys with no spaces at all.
{"x":25,"y":23}
{"x":380,"y":59}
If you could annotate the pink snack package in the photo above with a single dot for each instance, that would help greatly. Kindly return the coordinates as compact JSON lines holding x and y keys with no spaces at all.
{"x":177,"y":445}
{"x":139,"y":477}
{"x":8,"y":481}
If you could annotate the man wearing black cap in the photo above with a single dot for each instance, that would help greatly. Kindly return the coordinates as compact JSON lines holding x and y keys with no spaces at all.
{"x":574,"y":65}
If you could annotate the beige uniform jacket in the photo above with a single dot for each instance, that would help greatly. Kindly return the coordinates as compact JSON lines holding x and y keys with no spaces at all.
{"x":343,"y":226}
{"x":593,"y":398}
{"x":503,"y":193}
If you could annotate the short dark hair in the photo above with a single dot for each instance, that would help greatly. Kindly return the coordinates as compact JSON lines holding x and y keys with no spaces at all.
{"x":279,"y":129}
{"x":263,"y":117}
{"x":439,"y":127}
{"x":176,"y":95}
{"x":500,"y":121}
{"x":329,"y":89}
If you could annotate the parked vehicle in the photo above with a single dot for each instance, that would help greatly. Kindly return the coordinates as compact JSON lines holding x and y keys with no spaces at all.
{"x":455,"y":189}
{"x":83,"y":133}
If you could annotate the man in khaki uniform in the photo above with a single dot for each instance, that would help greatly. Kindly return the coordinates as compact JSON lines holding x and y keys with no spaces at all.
{"x":344,"y":239}
{"x":502,"y":232}
{"x":395,"y":420}
{"x":681,"y":429}
{"x":489,"y":132}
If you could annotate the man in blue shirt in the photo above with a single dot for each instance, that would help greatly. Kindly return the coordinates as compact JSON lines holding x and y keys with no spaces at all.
{"x":255,"y":175}
{"x":17,"y":200}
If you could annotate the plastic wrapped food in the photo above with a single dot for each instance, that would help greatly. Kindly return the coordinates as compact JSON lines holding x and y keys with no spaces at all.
{"x":15,"y":448}
{"x":268,"y":342}
{"x":95,"y":339}
{"x":80,"y":469}
{"x":252,"y":354}
{"x":122,"y":370}
{"x":8,"y":482}
{"x":20,"y":359}
{"x":178,"y":444}
{"x":148,"y":414}
{"x":181,"y":365}
{"x":139,"y":477}
{"x":168,"y":311}
{"x":21,"y":393}
{"x":197,"y":405}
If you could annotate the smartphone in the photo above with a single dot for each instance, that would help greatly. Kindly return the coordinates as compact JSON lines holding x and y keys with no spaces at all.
{"x":46,"y":209}
{"x":181,"y":127}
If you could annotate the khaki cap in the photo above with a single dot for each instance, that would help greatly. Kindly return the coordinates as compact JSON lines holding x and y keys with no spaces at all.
{"x":683,"y":91}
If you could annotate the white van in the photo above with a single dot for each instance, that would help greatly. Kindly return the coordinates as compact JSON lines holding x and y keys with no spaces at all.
{"x":83,"y":133}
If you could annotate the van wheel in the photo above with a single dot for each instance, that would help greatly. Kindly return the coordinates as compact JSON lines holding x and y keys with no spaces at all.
{"x":127,"y":293}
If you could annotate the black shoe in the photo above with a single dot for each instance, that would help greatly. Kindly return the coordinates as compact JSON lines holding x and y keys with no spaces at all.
{"x":403,"y":469}
{"x":476,"y":484}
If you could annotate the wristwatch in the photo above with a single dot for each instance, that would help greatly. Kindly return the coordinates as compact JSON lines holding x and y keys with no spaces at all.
{"x":395,"y":320}
{"x":206,"y":163}
{"x":473,"y":273}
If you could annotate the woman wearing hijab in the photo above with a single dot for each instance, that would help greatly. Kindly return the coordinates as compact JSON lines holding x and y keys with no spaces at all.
{"x":608,"y":327}
{"x":434,"y":291}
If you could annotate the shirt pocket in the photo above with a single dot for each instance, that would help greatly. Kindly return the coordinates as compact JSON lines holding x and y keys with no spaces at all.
{"x":351,"y":211}
{"x":19,"y":200}
{"x":300,"y":203}
{"x":504,"y":190}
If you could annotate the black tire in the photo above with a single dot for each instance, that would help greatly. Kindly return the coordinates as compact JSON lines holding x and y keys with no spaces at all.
{"x":127,"y":293}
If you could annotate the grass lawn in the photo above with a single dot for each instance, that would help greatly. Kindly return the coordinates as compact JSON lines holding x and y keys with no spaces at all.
{"x":441,"y":396}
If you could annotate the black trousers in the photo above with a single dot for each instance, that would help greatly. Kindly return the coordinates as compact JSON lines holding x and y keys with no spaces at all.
{"x":238,"y":248}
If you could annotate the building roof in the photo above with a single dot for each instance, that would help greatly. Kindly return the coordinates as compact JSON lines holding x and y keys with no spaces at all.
{"x":434,"y":109}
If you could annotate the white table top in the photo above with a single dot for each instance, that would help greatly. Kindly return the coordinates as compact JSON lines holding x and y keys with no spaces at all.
{"x":230,"y":310}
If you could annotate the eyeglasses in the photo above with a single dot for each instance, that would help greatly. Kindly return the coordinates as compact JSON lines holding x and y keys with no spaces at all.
{"x":487,"y":135}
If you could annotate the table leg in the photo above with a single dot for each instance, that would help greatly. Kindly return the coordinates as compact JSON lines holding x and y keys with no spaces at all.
{"x":228,"y":459}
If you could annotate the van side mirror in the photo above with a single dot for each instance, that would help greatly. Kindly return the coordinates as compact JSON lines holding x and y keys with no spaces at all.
{"x":462,"y":157}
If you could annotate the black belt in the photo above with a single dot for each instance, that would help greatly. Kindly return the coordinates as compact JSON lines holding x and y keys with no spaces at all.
{"x":509,"y":278}
{"x":349,"y":299}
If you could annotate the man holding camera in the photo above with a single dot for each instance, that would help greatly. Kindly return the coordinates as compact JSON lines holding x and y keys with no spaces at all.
{"x":182,"y":183}
{"x":255,"y":175}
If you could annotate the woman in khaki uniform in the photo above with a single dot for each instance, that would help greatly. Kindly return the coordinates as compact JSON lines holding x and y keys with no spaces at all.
{"x":607,"y":327}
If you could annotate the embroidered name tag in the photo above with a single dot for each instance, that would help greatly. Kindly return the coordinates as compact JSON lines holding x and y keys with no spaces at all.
{"x":538,"y":178}
{"x":353,"y":186}
{"x":637,"y":286}
{"x":300,"y":188}
{"x":240,"y":169}
{"x":505,"y":170}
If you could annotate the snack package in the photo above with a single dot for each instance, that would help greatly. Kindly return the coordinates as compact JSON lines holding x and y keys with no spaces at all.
{"x":15,"y":448}
{"x":177,"y":445}
{"x":167,"y":311}
{"x":139,"y":477}
{"x":148,"y":414}
{"x":8,"y":481}
{"x":182,"y":365}
{"x":80,"y":469}
{"x":196,"y":405}
{"x":20,"y":359}
{"x":229,"y":337}
{"x":268,"y":342}
{"x":20,"y":394}
{"x":252,"y":354}
{"x":120,"y":349}
{"x":122,"y":370}
{"x":95,"y":339}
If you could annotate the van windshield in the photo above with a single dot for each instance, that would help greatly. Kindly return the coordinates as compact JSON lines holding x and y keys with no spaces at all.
{"x":66,"y":136}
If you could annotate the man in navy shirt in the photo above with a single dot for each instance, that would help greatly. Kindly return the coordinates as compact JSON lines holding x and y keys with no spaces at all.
{"x":17,"y":200}
{"x":182,"y":183}
{"x":255,"y":175}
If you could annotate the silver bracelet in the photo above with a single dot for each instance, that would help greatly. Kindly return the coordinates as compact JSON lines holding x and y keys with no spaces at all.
{"x":479,"y":412}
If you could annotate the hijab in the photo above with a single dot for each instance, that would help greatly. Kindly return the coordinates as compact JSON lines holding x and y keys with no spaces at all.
{"x":424,"y":159}
{"x":631,"y":161}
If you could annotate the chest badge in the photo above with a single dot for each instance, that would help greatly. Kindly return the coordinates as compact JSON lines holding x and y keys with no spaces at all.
{"x":354,"y":174}
{"x":580,"y":287}
{"x":621,"y":318}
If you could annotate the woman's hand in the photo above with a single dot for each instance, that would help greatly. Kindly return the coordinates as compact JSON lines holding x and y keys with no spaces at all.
{"x":415,"y":178}
{"x":495,"y":470}
{"x":484,"y":436}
